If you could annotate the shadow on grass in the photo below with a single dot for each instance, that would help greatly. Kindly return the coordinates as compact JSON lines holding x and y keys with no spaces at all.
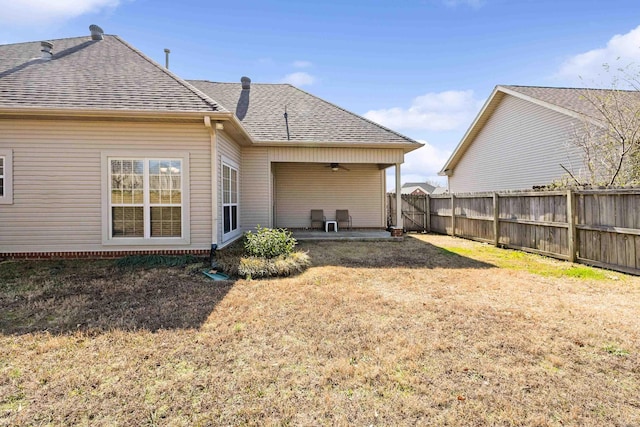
{"x":64,"y":297}
{"x":411,"y":252}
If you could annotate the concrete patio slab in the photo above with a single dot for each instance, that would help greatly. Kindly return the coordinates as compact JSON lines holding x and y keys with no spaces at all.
{"x":358,"y":235}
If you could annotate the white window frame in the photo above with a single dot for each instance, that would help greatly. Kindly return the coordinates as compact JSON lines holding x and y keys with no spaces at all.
{"x":226,"y":162}
{"x":147,"y":240}
{"x":6,"y":157}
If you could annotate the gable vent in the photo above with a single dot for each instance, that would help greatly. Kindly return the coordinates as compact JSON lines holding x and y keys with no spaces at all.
{"x":96,"y":32}
{"x":46,"y":48}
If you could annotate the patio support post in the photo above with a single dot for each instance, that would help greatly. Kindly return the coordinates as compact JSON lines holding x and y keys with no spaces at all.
{"x":397,"y":229}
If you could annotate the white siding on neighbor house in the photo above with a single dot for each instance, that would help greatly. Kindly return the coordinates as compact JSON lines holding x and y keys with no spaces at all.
{"x":57,"y":203}
{"x":301,"y":187}
{"x":521,"y":145}
{"x":255,"y":192}
{"x":227,"y":150}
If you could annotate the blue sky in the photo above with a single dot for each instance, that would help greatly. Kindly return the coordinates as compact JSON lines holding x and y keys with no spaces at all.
{"x":420,"y":67}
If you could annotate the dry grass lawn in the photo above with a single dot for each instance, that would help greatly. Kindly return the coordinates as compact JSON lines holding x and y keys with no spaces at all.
{"x":429,"y":331}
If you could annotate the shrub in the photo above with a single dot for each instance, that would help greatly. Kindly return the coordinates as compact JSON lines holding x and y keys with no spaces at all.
{"x":264,"y":253}
{"x":269,"y":243}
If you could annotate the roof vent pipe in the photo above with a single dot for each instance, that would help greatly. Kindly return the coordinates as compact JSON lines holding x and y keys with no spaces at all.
{"x":46,"y":48}
{"x":96,"y":32}
{"x":246,"y":82}
{"x":166,"y":58}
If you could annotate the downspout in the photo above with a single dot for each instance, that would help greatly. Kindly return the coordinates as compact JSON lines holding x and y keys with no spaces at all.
{"x":214,"y":182}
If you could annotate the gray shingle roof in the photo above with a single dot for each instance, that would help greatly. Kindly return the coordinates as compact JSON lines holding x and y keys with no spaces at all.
{"x":424,"y":185}
{"x":571,"y":98}
{"x":83,"y":73}
{"x":311,"y":119}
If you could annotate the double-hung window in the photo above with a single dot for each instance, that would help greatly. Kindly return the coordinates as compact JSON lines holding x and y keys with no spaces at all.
{"x":230,"y":200}
{"x":146,"y":200}
{"x":6,"y":176}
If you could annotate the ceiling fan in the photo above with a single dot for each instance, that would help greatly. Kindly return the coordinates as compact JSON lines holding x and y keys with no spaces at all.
{"x":335,"y":167}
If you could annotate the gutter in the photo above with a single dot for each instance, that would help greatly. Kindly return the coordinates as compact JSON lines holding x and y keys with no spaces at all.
{"x":235,"y":127}
{"x":407,"y":147}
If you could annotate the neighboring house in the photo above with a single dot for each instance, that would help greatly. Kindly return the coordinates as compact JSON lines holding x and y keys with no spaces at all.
{"x":519,"y":140}
{"x":421,"y":188}
{"x":439,"y":190}
{"x":417,"y":188}
{"x":104,"y":152}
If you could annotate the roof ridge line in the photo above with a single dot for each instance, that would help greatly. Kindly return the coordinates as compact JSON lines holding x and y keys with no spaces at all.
{"x":205,"y":98}
{"x":49,"y":40}
{"x":571,"y":88}
{"x":237,"y":83}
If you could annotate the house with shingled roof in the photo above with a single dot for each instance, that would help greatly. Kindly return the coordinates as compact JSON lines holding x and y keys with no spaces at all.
{"x":417,"y":188}
{"x":520,"y":139}
{"x":104,"y":152}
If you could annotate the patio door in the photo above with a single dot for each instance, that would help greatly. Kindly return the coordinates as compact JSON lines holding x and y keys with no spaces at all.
{"x":230,"y":198}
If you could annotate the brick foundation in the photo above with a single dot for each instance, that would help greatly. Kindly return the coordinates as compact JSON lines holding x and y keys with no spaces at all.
{"x":396,"y":232}
{"x":99,"y":254}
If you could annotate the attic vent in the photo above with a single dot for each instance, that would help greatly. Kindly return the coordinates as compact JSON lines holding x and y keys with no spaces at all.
{"x":246,"y":82}
{"x":96,"y":32}
{"x":47,"y":50}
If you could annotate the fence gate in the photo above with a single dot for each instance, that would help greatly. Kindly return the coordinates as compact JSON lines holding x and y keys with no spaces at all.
{"x":415,"y":211}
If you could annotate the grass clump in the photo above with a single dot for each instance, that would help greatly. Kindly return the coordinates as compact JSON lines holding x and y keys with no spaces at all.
{"x":284,"y":265}
{"x":615,"y":350}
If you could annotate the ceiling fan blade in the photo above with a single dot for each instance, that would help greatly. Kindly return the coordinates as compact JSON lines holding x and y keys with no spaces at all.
{"x":335,"y":166}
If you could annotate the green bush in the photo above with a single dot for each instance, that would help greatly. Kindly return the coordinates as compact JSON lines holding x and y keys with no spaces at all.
{"x":269,"y":243}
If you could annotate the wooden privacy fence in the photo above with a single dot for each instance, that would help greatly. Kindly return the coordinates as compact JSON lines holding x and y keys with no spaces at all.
{"x":415,"y":211}
{"x":596,"y":227}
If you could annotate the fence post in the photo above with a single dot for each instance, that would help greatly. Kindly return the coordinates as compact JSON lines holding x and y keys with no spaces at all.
{"x":496,"y":219}
{"x":572,"y":226}
{"x":453,"y":215}
{"x":427,"y":212}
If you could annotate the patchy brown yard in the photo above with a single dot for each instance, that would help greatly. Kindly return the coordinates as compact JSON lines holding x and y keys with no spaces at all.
{"x":432,"y":330}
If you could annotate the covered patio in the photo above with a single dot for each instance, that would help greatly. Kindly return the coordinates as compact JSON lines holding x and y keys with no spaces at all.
{"x":354,"y":235}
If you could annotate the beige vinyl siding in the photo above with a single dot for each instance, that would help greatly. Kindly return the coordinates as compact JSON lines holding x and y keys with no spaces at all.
{"x":57,"y":180}
{"x":301,"y":187}
{"x":255,"y":193}
{"x":521,"y":145}
{"x":227,"y":150}
{"x":339,"y":155}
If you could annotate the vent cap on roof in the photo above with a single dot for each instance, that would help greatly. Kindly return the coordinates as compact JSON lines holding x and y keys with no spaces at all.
{"x":246,"y":82}
{"x":46,"y":48}
{"x":96,"y":32}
